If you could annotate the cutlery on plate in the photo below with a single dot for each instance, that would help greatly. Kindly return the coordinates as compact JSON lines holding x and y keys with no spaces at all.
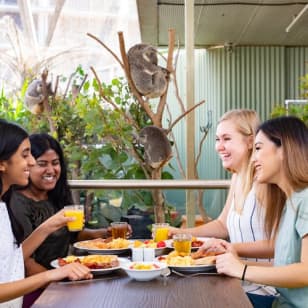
{"x":194,"y":274}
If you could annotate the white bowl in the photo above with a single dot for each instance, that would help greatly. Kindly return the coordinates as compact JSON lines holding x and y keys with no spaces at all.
{"x":143,"y":274}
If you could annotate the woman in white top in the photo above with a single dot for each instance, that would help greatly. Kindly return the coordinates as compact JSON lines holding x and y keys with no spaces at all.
{"x":242,"y":219}
{"x":15,"y":162}
{"x":281,"y":162}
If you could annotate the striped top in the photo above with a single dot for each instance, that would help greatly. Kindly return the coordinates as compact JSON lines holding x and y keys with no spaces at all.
{"x":248,"y":226}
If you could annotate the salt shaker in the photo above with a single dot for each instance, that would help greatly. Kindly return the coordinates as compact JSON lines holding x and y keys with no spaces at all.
{"x":149,"y":254}
{"x":137,"y":254}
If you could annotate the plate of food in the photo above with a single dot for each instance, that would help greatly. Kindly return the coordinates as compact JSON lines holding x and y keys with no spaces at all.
{"x":104,"y":246}
{"x":196,"y":242}
{"x":193,"y":263}
{"x":98,"y":264}
{"x":158,"y":246}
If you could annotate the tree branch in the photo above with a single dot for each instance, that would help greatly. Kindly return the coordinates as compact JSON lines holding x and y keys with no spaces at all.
{"x":183,"y":115}
{"x":107,"y":48}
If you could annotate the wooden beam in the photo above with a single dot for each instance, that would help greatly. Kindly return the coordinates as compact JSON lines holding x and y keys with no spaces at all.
{"x":190,"y":101}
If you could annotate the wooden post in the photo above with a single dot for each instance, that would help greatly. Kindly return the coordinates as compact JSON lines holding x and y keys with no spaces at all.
{"x":190,"y":99}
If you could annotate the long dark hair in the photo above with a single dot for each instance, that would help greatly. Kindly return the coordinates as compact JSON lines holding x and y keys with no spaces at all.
{"x":11,"y":136}
{"x":61,"y":194}
{"x":291,"y":134}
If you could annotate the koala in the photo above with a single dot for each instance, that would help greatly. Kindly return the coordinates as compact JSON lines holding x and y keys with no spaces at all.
{"x":150,"y":79}
{"x":34,"y":96}
{"x":157,"y":147}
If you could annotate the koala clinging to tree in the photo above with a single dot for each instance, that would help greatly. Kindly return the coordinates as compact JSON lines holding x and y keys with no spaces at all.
{"x":157,"y":147}
{"x":34,"y":96}
{"x":150,"y":79}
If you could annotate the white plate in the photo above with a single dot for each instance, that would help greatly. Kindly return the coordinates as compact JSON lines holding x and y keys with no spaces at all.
{"x":190,"y":269}
{"x":169,"y":243}
{"x":97,"y":271}
{"x":99,"y":251}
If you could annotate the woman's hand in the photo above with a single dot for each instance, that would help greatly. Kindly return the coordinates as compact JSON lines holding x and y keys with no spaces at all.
{"x":229,"y":262}
{"x":217,"y":245}
{"x":173,"y":230}
{"x":55,"y":222}
{"x":72,"y":271}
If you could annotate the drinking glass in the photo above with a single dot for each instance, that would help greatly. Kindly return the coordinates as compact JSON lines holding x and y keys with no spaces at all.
{"x":160,"y":231}
{"x":119,"y":229}
{"x":76,"y":211}
{"x":182,"y":243}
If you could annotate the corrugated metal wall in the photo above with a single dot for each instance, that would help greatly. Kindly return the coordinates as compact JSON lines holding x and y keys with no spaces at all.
{"x":247,"y":77}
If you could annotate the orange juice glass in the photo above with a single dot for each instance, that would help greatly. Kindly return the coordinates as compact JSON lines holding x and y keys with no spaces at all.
{"x":77,"y":212}
{"x":160,"y":231}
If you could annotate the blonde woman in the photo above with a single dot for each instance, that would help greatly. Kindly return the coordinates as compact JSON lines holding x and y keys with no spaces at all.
{"x":281,"y":162}
{"x":242,"y":218}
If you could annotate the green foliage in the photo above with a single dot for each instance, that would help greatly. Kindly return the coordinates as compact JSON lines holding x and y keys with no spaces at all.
{"x":298,"y":110}
{"x":96,"y":138}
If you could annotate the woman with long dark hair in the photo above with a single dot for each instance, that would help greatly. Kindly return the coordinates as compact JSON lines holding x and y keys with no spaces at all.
{"x":15,"y":163}
{"x":46,"y":194}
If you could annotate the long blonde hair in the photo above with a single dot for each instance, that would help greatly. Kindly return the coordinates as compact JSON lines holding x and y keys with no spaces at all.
{"x":246,"y":122}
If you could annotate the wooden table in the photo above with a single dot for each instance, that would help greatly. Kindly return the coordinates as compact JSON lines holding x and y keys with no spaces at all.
{"x":117,"y":290}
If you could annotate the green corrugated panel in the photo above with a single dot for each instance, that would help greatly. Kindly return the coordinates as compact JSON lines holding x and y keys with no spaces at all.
{"x":297,"y":65}
{"x":248,"y":77}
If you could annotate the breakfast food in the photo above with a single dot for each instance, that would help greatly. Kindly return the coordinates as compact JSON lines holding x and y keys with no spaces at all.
{"x":92,"y":261}
{"x":196,"y":243}
{"x":144,"y":266}
{"x":149,"y":244}
{"x":100,"y":243}
{"x":197,"y":258}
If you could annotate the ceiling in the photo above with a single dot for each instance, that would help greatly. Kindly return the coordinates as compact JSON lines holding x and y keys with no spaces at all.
{"x":226,"y":22}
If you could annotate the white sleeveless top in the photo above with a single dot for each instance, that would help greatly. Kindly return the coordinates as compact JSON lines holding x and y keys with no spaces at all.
{"x":11,"y":256}
{"x":248,"y":226}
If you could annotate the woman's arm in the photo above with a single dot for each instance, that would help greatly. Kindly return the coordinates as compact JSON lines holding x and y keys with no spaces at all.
{"x":259,"y":249}
{"x":216,"y":228}
{"x":89,"y":234}
{"x":288,"y":276}
{"x":32,"y":267}
{"x":36,"y":238}
{"x":73,"y":271}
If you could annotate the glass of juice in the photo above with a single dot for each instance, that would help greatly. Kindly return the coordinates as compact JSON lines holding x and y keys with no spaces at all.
{"x":182,"y":244}
{"x":160,"y":231}
{"x":119,"y":229}
{"x":77,"y":211}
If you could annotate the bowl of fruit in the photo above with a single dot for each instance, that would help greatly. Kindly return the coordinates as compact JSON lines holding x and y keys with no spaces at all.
{"x":143,"y":271}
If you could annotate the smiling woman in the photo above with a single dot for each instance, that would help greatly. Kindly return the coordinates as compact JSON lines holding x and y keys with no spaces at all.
{"x":15,"y":163}
{"x":281,"y":160}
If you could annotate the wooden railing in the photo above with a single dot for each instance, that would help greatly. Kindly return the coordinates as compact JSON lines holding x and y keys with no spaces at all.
{"x":149,"y":184}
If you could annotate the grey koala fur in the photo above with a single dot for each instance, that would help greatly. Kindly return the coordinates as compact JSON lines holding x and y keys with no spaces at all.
{"x":150,"y":79}
{"x":34,"y":96}
{"x":157,"y":147}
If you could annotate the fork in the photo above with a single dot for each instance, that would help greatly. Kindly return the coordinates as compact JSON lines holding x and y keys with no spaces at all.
{"x":194,"y":274}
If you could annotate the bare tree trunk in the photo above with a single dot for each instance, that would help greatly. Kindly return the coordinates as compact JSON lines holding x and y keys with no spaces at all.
{"x":201,"y":209}
{"x":158,"y":199}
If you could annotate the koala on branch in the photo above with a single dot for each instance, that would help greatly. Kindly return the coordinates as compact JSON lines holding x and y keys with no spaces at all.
{"x":157,"y":147}
{"x":34,"y":96}
{"x":150,"y":79}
